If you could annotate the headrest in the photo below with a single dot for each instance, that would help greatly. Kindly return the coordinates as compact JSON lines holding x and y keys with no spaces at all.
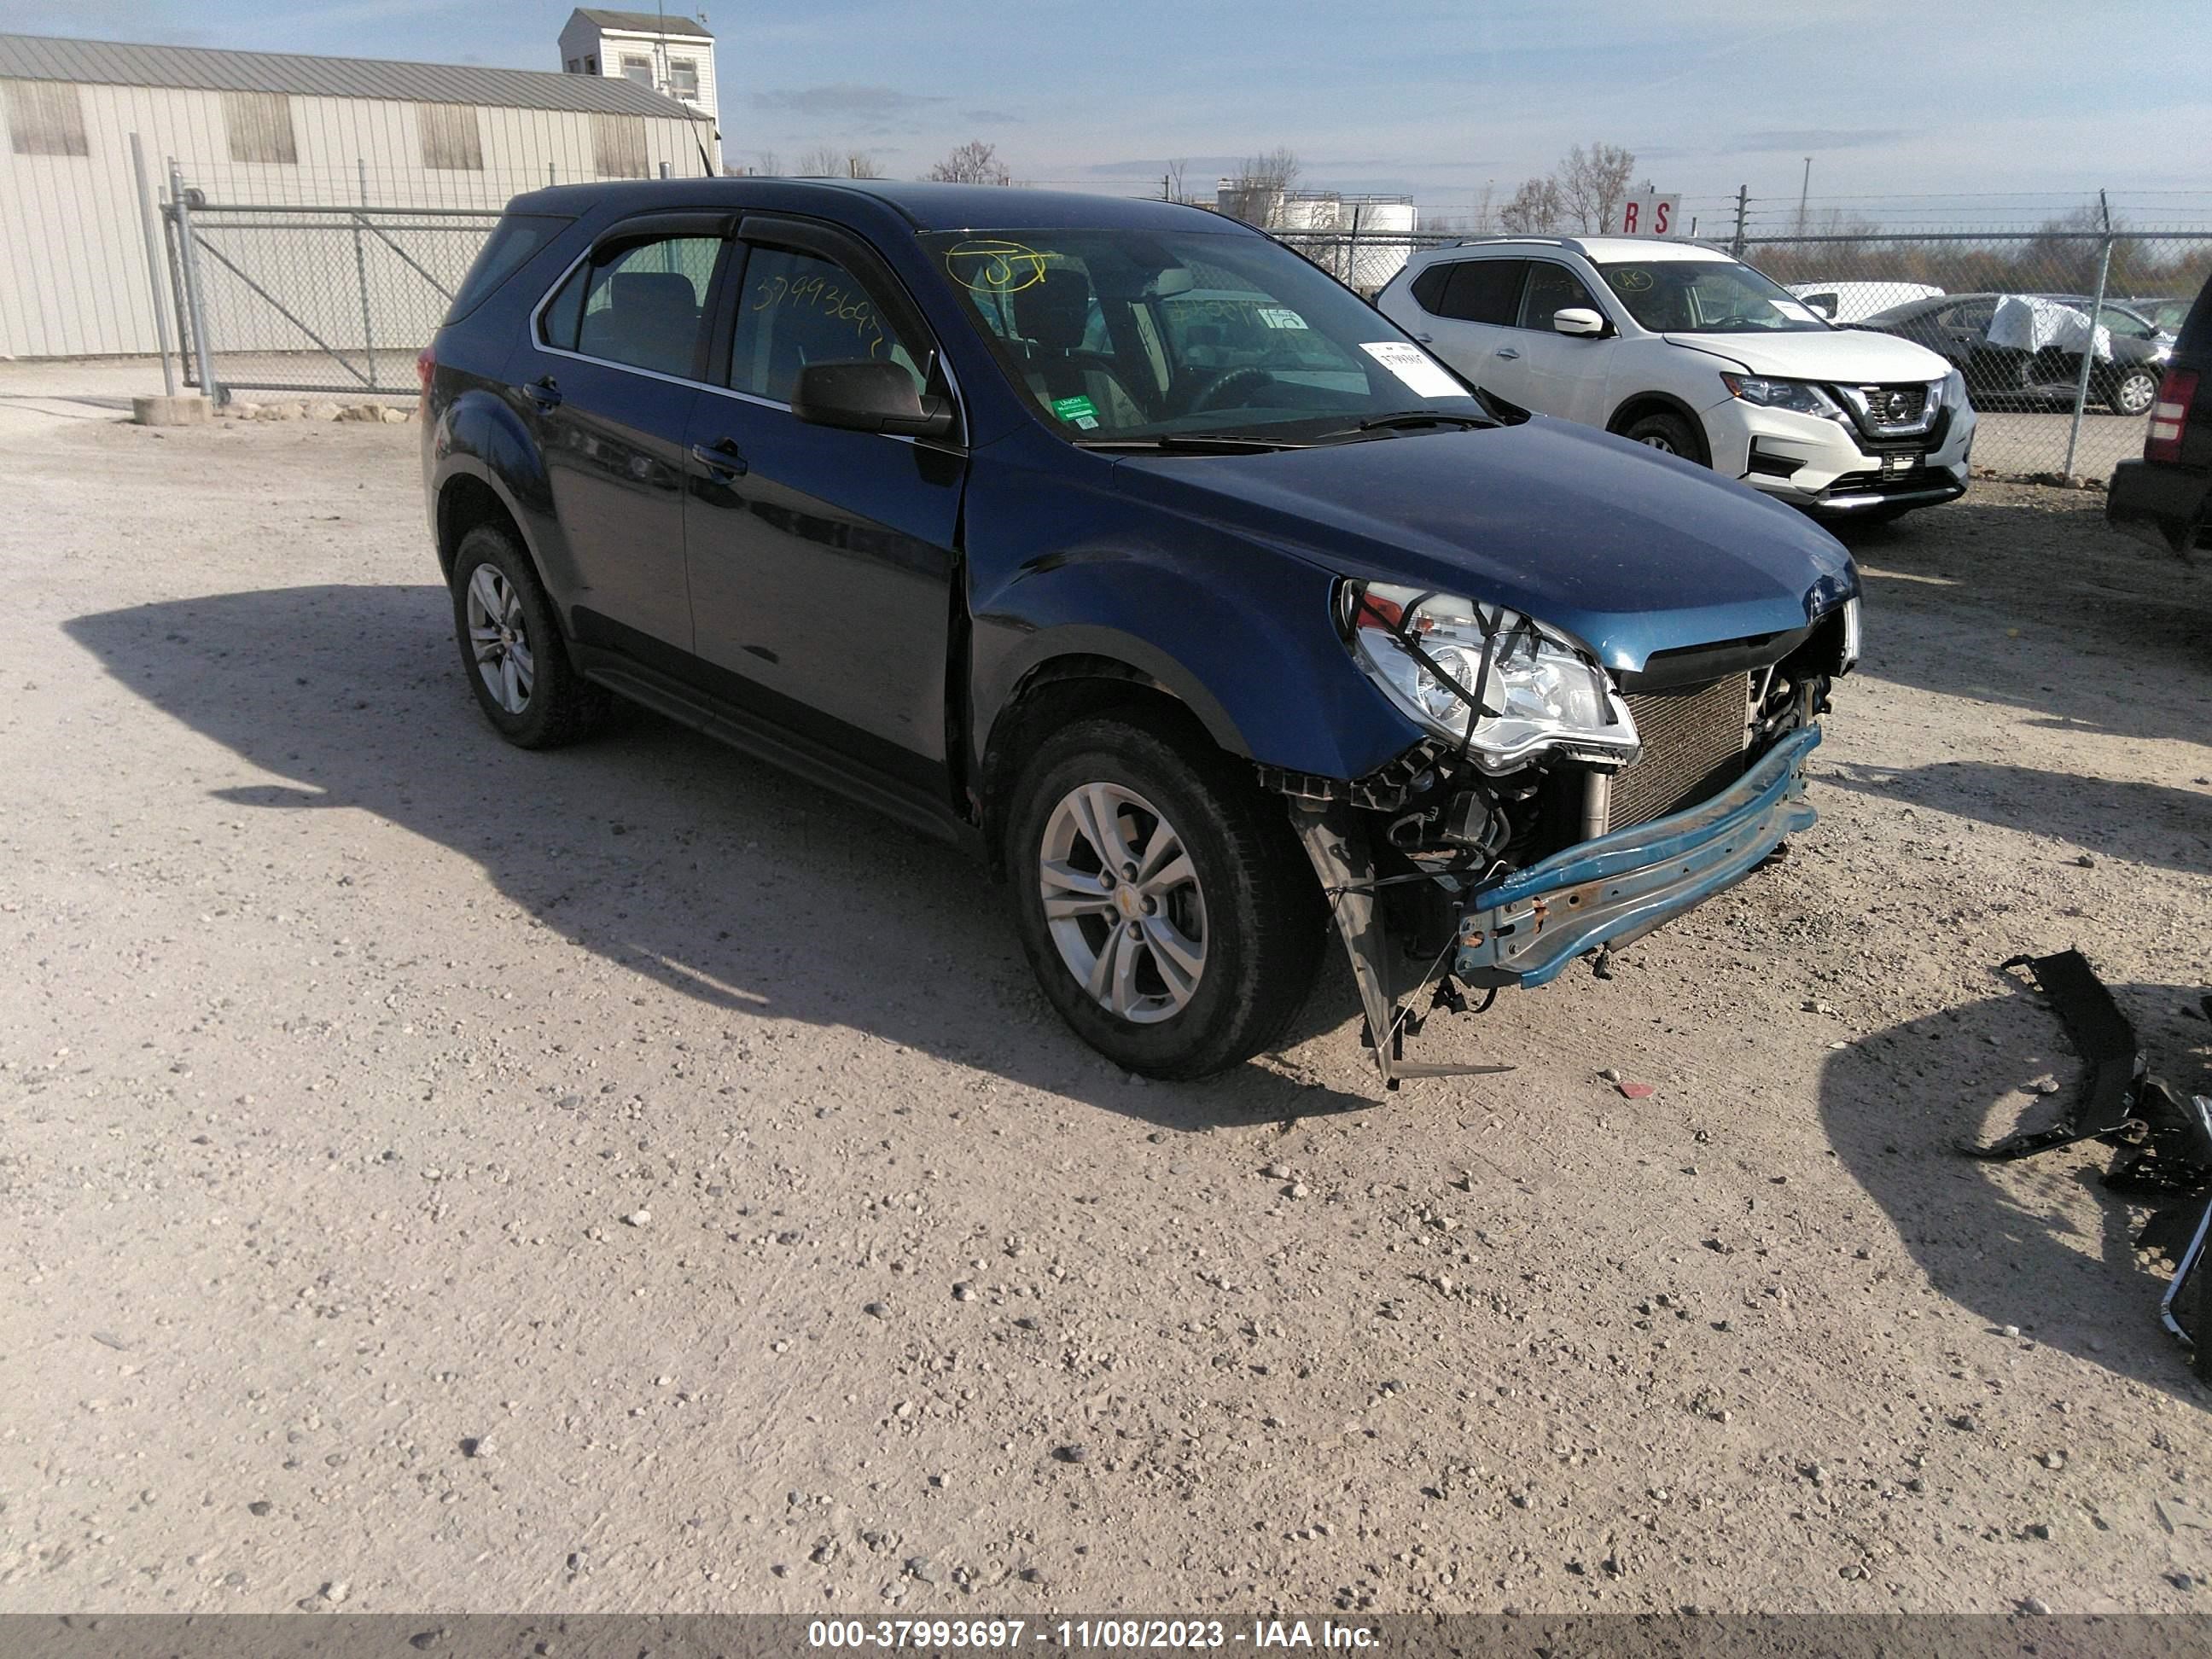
{"x":1056,"y":310}
{"x":663,"y":291}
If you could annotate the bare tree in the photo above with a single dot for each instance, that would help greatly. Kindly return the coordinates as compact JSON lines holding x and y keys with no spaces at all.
{"x":767,"y":164}
{"x":1261,"y":182}
{"x":827,"y":162}
{"x":1534,"y":209}
{"x":1172,"y":183}
{"x":1594,"y":183}
{"x":973,"y":163}
{"x":1274,"y":172}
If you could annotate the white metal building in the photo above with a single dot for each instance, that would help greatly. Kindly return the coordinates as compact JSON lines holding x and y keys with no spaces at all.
{"x":272,"y":127}
{"x":673,"y":55}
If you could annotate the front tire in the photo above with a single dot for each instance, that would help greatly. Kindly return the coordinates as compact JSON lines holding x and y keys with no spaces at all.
{"x":2133,"y":393}
{"x":1164,"y":903}
{"x":512,"y":651}
{"x":1670,"y":435}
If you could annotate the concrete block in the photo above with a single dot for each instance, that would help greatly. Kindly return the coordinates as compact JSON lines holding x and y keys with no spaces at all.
{"x":186,"y":409}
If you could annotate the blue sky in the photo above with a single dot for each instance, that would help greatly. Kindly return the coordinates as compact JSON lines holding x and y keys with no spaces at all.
{"x":1438,"y":97}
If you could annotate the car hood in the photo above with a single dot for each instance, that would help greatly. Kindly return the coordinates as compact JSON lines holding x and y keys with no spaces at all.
{"x":1852,"y":356}
{"x":1628,"y":550}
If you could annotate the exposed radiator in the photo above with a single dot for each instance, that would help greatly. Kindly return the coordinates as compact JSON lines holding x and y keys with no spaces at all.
{"x":1694,"y":738}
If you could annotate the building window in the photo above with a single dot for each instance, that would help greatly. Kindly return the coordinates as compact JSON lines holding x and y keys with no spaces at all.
{"x":259,"y":127}
{"x":451,"y":140}
{"x":619,"y":146}
{"x":684,"y":78}
{"x":591,"y":66}
{"x":575,"y":66}
{"x":46,"y":117}
{"x":638,"y":69}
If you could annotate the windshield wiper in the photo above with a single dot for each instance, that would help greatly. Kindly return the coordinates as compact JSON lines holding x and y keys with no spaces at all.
{"x":1412,"y":418}
{"x":1194,"y":443}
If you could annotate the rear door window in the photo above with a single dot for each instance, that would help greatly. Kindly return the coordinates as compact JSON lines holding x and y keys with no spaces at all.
{"x":640,"y":304}
{"x":1484,"y":291}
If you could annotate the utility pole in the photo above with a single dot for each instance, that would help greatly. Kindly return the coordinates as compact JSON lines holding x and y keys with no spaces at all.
{"x":1804,"y":196}
{"x":1742,"y":217}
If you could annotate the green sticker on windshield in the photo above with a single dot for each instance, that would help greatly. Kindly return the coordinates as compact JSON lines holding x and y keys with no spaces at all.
{"x":1076,"y":411}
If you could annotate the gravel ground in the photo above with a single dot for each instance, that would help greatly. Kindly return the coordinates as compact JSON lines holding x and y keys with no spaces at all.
{"x":444,"y":1178}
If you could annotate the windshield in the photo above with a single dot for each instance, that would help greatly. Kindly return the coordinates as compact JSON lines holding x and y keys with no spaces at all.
{"x":1705,"y":296}
{"x":1129,"y":335}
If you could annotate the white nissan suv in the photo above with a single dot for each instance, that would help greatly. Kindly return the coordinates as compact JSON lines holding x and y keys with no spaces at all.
{"x":1677,"y":345}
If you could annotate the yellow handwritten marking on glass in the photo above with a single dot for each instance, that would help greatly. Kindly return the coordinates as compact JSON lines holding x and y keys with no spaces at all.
{"x":1629,"y":279}
{"x":994,"y":267}
{"x":818,"y":293}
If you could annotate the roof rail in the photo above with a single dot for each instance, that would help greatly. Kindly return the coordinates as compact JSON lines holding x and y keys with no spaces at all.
{"x":1570,"y":243}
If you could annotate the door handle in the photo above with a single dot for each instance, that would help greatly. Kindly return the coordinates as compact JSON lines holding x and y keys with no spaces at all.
{"x":722,"y":458}
{"x":1508,"y":351}
{"x":544,"y":392}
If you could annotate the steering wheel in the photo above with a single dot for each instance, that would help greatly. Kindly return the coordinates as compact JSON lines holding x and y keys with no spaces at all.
{"x":1211,"y":388}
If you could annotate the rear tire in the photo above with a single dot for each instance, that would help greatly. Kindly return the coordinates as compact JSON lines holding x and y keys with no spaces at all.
{"x":1201,"y":958}
{"x":512,"y":651}
{"x":1670,"y":435}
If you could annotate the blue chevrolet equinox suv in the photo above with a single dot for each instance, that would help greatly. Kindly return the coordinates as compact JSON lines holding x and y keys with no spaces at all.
{"x":1116,"y":543}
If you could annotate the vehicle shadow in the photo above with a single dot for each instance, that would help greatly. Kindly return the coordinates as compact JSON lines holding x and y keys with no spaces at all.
{"x":720,"y":877}
{"x":2144,"y":823}
{"x":2045,"y":610}
{"x":1997,"y":1238}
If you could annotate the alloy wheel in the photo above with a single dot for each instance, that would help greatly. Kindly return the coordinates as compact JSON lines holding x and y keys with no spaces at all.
{"x":2134,"y":394}
{"x":1123,"y":902}
{"x":500,"y":637}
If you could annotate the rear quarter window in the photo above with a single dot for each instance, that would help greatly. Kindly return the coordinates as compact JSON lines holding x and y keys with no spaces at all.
{"x":515,"y":240}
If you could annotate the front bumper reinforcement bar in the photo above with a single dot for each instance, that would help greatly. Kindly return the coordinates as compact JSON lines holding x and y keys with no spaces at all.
{"x":1608,"y":892}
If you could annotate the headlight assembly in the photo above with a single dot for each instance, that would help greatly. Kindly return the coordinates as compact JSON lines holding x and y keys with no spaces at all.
{"x":1499,"y":684}
{"x":1799,"y":396}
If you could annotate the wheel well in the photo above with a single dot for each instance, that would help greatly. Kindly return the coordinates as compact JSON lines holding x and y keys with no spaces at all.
{"x":1658,"y":402}
{"x":462,"y":504}
{"x":1053,"y":695}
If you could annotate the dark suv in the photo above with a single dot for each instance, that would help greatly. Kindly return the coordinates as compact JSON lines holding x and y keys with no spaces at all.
{"x":1117,"y":543}
{"x":2163,"y":498}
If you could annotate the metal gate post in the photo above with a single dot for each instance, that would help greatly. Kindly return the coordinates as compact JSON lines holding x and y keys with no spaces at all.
{"x":195,"y":309}
{"x":2089,"y":352}
{"x":361,"y":268}
{"x":153,"y":263}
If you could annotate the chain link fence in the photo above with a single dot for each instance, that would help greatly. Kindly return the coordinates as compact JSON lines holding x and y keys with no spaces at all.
{"x":292,"y":298}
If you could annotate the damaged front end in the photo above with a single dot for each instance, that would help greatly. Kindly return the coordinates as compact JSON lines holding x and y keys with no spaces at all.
{"x":1555,"y":811}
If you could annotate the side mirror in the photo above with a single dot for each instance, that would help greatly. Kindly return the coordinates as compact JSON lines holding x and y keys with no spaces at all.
{"x":1578,"y":321}
{"x":868,"y":397}
{"x":1819,"y":308}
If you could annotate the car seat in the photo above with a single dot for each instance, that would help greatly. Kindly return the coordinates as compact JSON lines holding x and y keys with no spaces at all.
{"x":651,"y":320}
{"x":1053,"y":314}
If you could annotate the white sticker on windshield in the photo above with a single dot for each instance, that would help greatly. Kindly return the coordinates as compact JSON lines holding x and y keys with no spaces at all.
{"x":1792,"y":310}
{"x":1423,"y":375}
{"x":1280,"y":317}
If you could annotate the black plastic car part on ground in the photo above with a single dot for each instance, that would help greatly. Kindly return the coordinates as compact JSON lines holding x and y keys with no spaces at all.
{"x":1114,"y":542}
{"x":2162,"y":498}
